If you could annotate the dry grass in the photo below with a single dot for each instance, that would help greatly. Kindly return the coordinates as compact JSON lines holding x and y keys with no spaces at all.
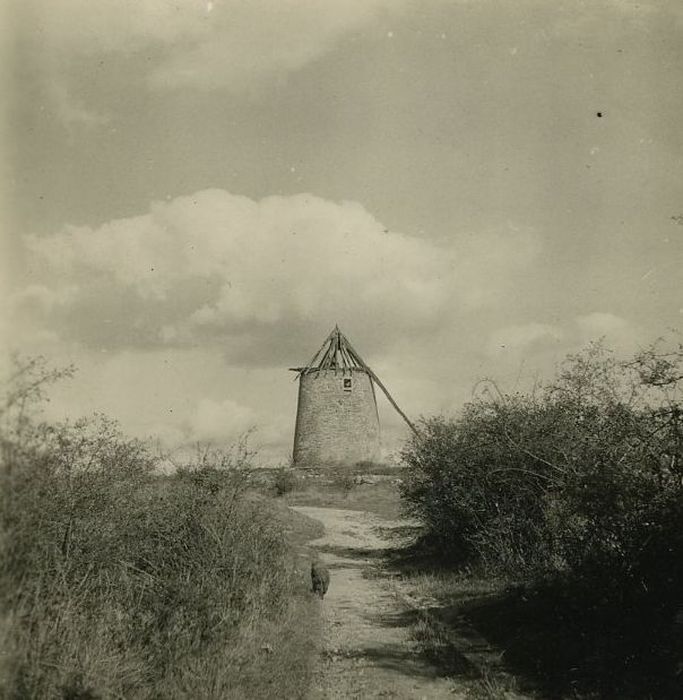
{"x":118,"y":584}
{"x":340,"y":491}
{"x":504,"y":640}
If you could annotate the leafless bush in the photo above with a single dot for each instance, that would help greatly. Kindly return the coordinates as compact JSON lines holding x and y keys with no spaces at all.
{"x":116,"y":583}
{"x":582,"y":477}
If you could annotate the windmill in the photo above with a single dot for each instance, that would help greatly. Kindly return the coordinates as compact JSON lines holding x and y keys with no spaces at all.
{"x":337,"y":419}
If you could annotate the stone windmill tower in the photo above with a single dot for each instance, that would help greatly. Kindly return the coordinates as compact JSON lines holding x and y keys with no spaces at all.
{"x":337,"y":419}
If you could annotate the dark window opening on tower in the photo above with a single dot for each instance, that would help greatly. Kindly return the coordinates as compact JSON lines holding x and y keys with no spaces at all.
{"x":347,"y":383}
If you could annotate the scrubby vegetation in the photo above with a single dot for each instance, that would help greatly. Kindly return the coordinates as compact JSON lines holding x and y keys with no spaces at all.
{"x":117,"y":583}
{"x":285,"y":480}
{"x":575,"y":493}
{"x":378,"y":496}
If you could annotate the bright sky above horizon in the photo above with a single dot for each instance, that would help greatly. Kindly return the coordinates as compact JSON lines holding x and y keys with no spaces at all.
{"x":199,"y":191}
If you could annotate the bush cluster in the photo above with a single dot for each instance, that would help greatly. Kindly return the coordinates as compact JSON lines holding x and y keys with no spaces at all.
{"x":285,"y":481}
{"x":580,"y":478}
{"x":116,"y":583}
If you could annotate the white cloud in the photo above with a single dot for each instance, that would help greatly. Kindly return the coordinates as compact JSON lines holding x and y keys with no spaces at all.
{"x":518,"y":338}
{"x":231,"y":44}
{"x":39,"y":297}
{"x":618,"y":333}
{"x":70,"y":111}
{"x":521,"y":355}
{"x":220,"y":421}
{"x":525,"y":352}
{"x":184,"y":320}
{"x":532,"y":338}
{"x":112,"y":25}
{"x":179,"y":398}
{"x":254,"y":41}
{"x":248,"y":276}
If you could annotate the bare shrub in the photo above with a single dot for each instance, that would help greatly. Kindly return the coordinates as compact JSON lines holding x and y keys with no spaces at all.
{"x":285,"y":481}
{"x":342,"y":479}
{"x":581,"y":478}
{"x":118,"y":583}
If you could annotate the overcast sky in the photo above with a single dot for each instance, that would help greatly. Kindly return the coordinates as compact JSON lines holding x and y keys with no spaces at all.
{"x":198,"y":192}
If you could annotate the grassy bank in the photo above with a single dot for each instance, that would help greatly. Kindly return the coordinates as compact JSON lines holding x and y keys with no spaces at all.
{"x":187,"y":591}
{"x":117,"y":583}
{"x":381,"y":498}
{"x":366,"y":487}
{"x":541,"y":641}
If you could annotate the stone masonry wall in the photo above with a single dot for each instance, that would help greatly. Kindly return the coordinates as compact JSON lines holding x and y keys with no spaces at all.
{"x":334,"y":425}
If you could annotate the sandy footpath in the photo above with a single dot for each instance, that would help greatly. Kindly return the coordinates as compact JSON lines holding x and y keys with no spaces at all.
{"x":367,"y":651}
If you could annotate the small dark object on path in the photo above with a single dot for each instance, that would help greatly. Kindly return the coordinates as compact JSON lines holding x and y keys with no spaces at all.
{"x":320,"y":579}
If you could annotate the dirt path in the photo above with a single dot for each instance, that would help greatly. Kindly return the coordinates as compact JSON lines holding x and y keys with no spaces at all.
{"x":367,"y":651}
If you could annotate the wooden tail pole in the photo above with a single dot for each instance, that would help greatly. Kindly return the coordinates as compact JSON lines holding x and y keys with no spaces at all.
{"x":411,"y":425}
{"x":377,"y":381}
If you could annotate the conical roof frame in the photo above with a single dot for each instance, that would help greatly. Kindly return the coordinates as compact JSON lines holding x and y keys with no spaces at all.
{"x":336,"y":353}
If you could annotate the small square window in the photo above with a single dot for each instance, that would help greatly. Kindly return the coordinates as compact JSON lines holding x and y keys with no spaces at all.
{"x":346,"y":383}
